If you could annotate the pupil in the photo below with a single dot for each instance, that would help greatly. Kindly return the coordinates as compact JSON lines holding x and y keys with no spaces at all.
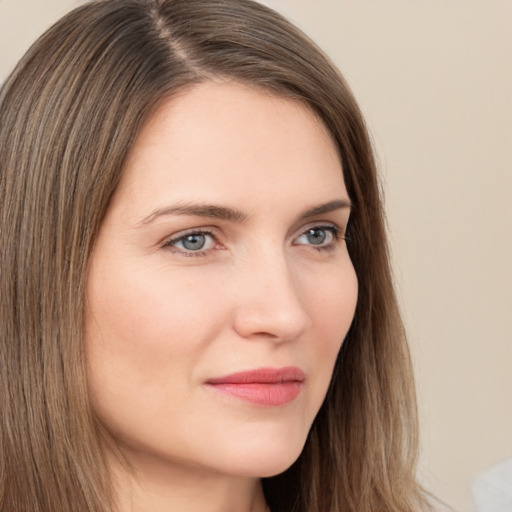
{"x":194,"y":242}
{"x":316,"y":236}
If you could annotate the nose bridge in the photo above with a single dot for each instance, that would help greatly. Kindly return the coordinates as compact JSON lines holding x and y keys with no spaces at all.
{"x":268,"y":298}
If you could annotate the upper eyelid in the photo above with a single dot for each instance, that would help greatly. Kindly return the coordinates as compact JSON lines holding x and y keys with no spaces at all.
{"x":192,"y":231}
{"x":208,"y":230}
{"x":212,"y":230}
{"x":338,"y":218}
{"x":321,"y":224}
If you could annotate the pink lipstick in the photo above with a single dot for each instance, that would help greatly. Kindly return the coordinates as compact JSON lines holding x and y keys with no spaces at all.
{"x":264,"y":386}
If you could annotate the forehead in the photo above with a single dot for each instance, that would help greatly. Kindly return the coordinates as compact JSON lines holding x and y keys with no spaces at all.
{"x":229,"y":141}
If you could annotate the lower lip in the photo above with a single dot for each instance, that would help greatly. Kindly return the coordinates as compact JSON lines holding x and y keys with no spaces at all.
{"x":266,"y":394}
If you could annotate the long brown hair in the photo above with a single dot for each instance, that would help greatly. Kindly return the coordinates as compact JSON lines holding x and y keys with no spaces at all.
{"x":69,"y":114}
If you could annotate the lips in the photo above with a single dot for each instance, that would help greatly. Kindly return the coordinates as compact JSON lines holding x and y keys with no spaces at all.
{"x":264,"y":386}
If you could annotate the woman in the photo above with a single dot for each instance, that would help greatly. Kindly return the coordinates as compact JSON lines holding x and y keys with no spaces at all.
{"x":190,"y":321}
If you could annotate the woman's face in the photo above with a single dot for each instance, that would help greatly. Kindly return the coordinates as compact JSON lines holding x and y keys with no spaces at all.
{"x":220,"y":287}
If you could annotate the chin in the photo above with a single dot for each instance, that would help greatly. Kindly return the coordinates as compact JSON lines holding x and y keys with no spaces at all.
{"x":263,"y":458}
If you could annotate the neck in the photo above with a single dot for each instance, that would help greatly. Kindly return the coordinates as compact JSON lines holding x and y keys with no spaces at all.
{"x":153,"y":487}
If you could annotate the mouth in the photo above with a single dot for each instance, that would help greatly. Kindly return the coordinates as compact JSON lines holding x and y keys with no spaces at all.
{"x":267,"y":387}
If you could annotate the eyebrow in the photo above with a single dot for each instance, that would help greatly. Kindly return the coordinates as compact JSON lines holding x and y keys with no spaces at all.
{"x":213,"y":211}
{"x":331,"y":206}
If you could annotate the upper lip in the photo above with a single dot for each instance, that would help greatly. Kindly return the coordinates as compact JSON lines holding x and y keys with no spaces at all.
{"x":262,"y":376}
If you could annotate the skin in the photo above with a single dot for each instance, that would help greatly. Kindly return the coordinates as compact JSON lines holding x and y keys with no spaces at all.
{"x":162,"y":319}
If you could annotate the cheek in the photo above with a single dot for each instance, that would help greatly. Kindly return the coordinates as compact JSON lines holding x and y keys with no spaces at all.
{"x":332,"y":302}
{"x":332,"y":307}
{"x":139,"y":309}
{"x":145,"y":332}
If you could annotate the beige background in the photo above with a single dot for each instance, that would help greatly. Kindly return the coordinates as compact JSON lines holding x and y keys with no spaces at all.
{"x":434,"y":79}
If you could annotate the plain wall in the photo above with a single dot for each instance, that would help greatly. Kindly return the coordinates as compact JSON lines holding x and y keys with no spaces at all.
{"x":434,"y":80}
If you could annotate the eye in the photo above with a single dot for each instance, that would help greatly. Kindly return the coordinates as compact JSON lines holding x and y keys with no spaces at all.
{"x":322,"y":237}
{"x":192,"y":243}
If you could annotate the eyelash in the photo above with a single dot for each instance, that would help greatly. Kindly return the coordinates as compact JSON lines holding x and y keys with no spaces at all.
{"x":334,"y":230}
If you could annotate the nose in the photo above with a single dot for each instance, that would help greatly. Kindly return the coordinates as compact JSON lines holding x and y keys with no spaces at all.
{"x":268,"y":301}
